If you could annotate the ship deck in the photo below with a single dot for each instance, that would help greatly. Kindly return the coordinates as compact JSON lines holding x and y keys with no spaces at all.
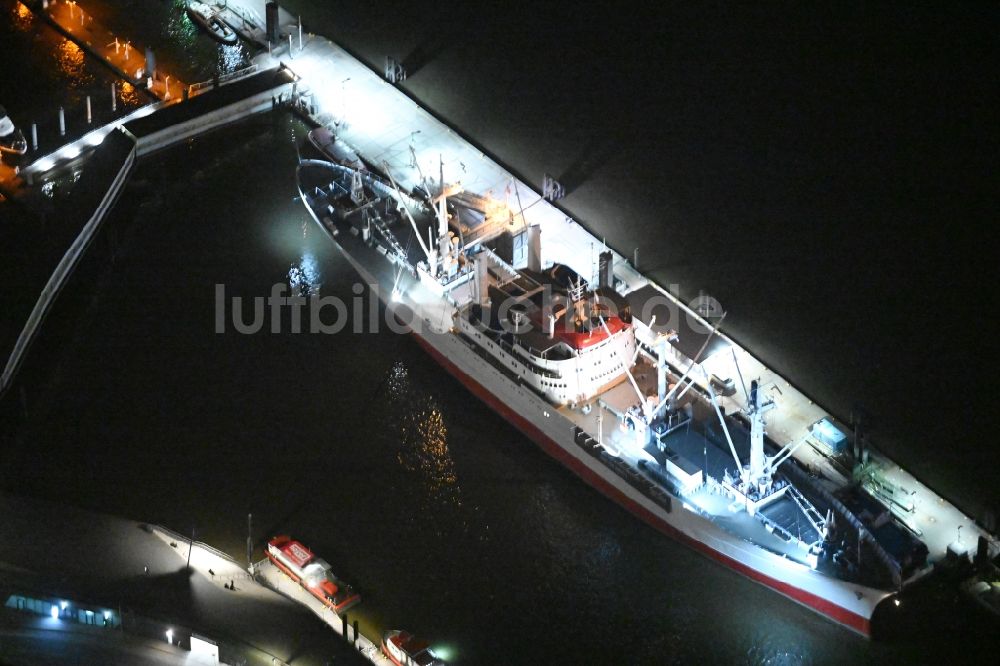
{"x":382,"y":123}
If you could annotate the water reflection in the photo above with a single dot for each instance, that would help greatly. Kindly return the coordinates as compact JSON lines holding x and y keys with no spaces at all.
{"x":21,"y":17}
{"x":70,"y":59}
{"x":232,"y":58}
{"x":179,"y":27}
{"x":304,"y":277}
{"x":424,"y":437}
{"x":127,"y":94}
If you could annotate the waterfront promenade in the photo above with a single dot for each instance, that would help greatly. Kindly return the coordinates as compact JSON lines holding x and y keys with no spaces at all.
{"x":51,"y":550}
{"x":388,"y":136}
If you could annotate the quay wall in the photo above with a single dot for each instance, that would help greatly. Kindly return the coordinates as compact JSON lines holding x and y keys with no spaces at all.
{"x":94,"y":195}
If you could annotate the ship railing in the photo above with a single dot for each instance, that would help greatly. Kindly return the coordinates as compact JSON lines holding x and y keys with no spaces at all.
{"x":848,"y":516}
{"x":180,"y":538}
{"x":503,"y":267}
{"x":812,"y":515}
{"x":537,"y":369}
{"x":201,"y":86}
{"x":782,"y":532}
{"x":250,"y":18}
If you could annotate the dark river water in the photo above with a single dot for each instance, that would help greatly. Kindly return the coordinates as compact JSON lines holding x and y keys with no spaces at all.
{"x":824,"y":174}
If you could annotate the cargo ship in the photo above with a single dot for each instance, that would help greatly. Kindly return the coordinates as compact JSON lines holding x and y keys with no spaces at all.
{"x":642,"y":396}
{"x":405,"y":649}
{"x":311,"y":572}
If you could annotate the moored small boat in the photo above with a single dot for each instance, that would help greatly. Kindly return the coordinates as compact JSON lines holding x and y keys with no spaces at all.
{"x":405,"y":649}
{"x":12,"y":141}
{"x":311,"y":572}
{"x":209,"y":19}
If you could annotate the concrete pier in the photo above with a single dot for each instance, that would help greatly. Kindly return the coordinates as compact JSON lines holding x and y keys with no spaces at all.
{"x":121,"y":54}
{"x":269,"y":575}
{"x":96,"y":193}
{"x":228,"y":104}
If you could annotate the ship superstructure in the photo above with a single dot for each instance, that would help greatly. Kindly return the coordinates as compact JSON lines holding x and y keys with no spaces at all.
{"x":621,"y":390}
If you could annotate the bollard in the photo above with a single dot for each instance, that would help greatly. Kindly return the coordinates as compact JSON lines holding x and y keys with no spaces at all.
{"x":269,"y":47}
{"x":126,"y":51}
{"x":62,"y":122}
{"x":300,"y":32}
{"x":117,"y":46}
{"x":90,"y":117}
{"x":290,"y":47}
{"x":355,"y":640}
{"x":343,"y":624}
{"x":34,"y":136}
{"x":166,"y":87}
{"x":114,"y":98}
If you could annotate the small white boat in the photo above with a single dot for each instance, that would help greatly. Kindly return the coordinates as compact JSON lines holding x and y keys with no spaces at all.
{"x":208,"y":18}
{"x":11,"y":139}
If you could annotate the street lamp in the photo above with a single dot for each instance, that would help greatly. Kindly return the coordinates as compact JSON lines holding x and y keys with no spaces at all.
{"x":343,"y":99}
{"x":413,"y":150}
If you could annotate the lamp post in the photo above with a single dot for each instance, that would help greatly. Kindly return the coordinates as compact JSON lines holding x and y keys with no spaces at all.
{"x":413,"y":149}
{"x":343,"y":98}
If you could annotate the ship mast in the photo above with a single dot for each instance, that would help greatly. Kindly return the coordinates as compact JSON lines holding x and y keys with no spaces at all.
{"x":759,"y":473}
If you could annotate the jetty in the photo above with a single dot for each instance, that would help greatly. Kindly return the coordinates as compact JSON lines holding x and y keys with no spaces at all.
{"x":370,"y":111}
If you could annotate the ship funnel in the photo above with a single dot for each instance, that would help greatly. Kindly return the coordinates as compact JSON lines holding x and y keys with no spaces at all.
{"x":482,"y":279}
{"x":606,"y":269}
{"x":535,"y":248}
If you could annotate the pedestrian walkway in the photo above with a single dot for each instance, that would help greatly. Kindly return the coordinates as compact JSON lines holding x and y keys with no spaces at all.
{"x":62,"y":551}
{"x":275,"y":579}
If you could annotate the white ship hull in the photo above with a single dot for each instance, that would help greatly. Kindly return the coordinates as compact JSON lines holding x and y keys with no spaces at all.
{"x":848,"y":604}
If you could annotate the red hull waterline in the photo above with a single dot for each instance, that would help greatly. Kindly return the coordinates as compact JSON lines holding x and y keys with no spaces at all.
{"x":840,"y":615}
{"x":385,"y":651}
{"x":346,"y":603}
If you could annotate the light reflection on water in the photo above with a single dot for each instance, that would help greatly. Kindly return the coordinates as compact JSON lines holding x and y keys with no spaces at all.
{"x":232,"y":58}
{"x":70,"y":59}
{"x":21,"y":17}
{"x":423,"y":438}
{"x":180,"y":28}
{"x":304,"y":278}
{"x":127,"y":94}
